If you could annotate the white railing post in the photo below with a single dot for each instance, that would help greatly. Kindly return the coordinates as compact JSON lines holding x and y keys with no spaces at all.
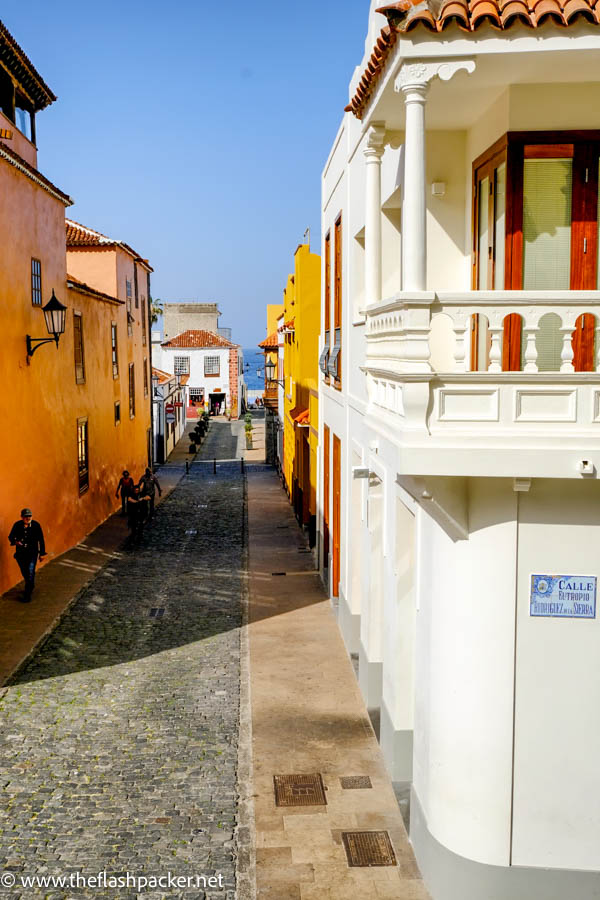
{"x":531,"y":353}
{"x":496,"y":331}
{"x":567,"y":349}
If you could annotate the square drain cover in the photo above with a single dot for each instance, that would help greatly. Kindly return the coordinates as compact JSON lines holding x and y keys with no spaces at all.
{"x":299,"y":790}
{"x":157,"y":612}
{"x":368,"y":848}
{"x":355,"y":782}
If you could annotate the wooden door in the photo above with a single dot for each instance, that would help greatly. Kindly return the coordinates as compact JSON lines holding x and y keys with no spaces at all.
{"x":337,"y":480}
{"x":583,"y":343}
{"x":325,"y":497}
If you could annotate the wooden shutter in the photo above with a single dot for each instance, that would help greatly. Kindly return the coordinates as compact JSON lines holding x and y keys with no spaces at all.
{"x":583,"y":343}
{"x":335,"y":563}
{"x":326,"y":496}
{"x":511,"y":345}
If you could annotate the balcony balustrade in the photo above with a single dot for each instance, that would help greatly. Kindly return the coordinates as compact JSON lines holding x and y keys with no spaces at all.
{"x":437,"y":369}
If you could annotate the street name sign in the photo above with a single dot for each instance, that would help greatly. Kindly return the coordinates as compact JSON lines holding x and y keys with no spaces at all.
{"x":563,"y":596}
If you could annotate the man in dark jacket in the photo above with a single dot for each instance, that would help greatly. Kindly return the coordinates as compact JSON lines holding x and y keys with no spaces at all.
{"x":27,"y":537}
{"x":148,"y":484}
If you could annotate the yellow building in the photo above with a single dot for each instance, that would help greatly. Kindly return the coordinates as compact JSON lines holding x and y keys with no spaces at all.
{"x":301,"y":302}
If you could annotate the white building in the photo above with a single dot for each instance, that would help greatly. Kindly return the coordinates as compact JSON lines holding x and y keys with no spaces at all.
{"x":460,"y":431}
{"x":214,"y":366}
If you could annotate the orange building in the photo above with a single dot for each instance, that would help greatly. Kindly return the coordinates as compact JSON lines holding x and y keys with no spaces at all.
{"x":74,"y":415}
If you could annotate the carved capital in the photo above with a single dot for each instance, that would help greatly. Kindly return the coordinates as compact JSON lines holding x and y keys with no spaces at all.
{"x":417,"y":75}
{"x":375,"y":143}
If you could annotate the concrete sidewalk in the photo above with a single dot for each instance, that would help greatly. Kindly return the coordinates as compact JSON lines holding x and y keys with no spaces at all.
{"x":308,"y":717}
{"x":59,"y":580}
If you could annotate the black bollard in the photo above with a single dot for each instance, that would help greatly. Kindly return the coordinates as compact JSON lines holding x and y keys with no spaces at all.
{"x":215,"y":466}
{"x":242,"y":465}
{"x":187,"y":467}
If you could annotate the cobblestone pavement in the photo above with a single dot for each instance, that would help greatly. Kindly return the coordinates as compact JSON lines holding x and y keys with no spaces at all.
{"x":118,"y":750}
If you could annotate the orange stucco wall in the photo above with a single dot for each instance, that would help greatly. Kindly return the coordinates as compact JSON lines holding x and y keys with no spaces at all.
{"x":19,"y":143}
{"x":41,"y":401}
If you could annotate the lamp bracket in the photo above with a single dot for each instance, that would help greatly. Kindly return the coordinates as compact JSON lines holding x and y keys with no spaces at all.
{"x":38,"y":343}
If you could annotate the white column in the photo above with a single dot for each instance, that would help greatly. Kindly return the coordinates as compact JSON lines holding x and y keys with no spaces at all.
{"x":373,"y":153}
{"x":414,"y":236}
{"x":413,"y":81}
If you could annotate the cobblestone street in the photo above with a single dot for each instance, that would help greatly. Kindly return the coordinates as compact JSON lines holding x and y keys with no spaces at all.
{"x":120,"y":738}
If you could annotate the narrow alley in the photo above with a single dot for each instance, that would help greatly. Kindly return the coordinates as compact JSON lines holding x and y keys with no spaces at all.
{"x":142,"y":738}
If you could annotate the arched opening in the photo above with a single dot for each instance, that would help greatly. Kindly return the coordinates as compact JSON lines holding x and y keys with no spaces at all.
{"x":480,"y":343}
{"x":548,"y":342}
{"x":583,"y":343}
{"x":512,"y":343}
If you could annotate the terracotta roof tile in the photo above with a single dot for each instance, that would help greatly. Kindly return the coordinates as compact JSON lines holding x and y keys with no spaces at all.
{"x":199,"y":338}
{"x":27,"y":169}
{"x":469,"y":15}
{"x":81,"y":236}
{"x":84,"y":288}
{"x":163,"y":377}
{"x":25,"y":73}
{"x":290,"y":325}
{"x":270,"y":343}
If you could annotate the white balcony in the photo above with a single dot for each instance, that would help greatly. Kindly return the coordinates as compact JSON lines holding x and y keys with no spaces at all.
{"x":539,"y":421}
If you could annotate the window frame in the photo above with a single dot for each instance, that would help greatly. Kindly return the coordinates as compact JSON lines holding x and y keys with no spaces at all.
{"x":519,"y":146}
{"x":176,"y":368}
{"x":337,"y":302}
{"x":114,"y":348}
{"x":36,"y":282}
{"x":145,"y":376}
{"x":144,"y":322}
{"x":216,"y":374}
{"x":131,"y":380}
{"x":78,"y":345}
{"x":83,"y":471}
{"x":117,"y":412}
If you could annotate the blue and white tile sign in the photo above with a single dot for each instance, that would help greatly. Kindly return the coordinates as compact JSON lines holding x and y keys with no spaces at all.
{"x":563,"y":596}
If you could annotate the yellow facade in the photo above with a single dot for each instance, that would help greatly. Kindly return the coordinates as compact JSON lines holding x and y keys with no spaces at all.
{"x":301,"y":301}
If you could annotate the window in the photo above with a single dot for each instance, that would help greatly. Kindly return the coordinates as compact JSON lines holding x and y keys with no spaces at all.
{"x":212,"y":366}
{"x":182,"y":365}
{"x":535,"y":212}
{"x":129,"y":308}
{"x":36,"y":282}
{"x":324,"y":358}
{"x":334,"y":365}
{"x":78,"y":344}
{"x":117,"y":412}
{"x":82,"y":455}
{"x":197,"y":396}
{"x":114,"y":349}
{"x":131,"y":390}
{"x":135,"y":286}
{"x":145,"y":377}
{"x":144,"y":322}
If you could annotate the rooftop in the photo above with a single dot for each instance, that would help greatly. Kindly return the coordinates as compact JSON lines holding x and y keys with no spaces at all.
{"x":33,"y":174}
{"x":199,"y":338}
{"x":14,"y":59}
{"x":81,"y":236}
{"x":434,"y":16}
{"x":270,"y":343}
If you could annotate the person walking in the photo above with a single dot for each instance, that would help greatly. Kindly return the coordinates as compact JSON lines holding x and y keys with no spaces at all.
{"x":27,"y":537}
{"x":148,"y":484}
{"x":125,"y":486}
{"x":138,"y":504}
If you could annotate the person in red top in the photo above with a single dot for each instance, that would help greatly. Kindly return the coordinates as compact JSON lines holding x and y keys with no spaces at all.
{"x":125,"y":486}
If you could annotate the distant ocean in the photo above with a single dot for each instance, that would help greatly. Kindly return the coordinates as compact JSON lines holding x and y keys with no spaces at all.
{"x":254,"y":375}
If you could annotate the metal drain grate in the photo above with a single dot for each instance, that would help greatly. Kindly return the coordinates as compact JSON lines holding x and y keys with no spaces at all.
{"x":157,"y":612}
{"x":368,"y":848}
{"x":299,"y":790}
{"x":355,"y":782}
{"x":278,"y":574}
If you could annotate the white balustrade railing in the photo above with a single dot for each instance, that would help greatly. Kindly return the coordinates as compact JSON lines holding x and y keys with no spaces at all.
{"x":430,"y":332}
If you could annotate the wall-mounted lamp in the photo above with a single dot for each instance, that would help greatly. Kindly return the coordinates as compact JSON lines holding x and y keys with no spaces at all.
{"x":438,"y":188}
{"x":55,"y":315}
{"x":270,"y":372}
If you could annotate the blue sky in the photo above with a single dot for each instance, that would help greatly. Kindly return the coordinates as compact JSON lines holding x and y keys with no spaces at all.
{"x":196,"y":132}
